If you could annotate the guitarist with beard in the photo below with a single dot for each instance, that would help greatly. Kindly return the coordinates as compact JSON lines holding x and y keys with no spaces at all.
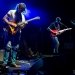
{"x":54,"y":29}
{"x":12,"y":37}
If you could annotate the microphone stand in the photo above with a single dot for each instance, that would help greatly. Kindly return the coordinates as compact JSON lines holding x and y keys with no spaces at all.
{"x":63,"y":25}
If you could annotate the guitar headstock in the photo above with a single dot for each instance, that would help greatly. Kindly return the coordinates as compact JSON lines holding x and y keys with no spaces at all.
{"x":69,"y":28}
{"x":37,"y":17}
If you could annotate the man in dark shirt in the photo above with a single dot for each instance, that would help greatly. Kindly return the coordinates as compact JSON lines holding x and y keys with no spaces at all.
{"x":54,"y":28}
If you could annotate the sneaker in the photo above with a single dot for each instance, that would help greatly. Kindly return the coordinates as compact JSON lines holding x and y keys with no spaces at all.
{"x":15,"y":65}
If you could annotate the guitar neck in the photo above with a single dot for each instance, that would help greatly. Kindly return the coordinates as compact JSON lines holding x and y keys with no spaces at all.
{"x":35,"y":18}
{"x":30,"y":20}
{"x":67,"y":29}
{"x":61,"y":31}
{"x":21,"y":23}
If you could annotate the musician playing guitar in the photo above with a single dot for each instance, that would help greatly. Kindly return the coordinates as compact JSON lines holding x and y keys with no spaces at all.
{"x":15,"y":21}
{"x":12,"y":37}
{"x":54,"y":29}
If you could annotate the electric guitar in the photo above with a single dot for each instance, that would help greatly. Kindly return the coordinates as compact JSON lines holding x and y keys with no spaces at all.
{"x":20,"y":25}
{"x":58,"y":32}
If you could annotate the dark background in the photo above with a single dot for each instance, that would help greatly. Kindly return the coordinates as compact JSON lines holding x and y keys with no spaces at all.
{"x":35,"y":33}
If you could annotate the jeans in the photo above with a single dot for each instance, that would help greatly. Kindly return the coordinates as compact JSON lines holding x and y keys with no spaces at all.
{"x":11,"y":45}
{"x":54,"y":44}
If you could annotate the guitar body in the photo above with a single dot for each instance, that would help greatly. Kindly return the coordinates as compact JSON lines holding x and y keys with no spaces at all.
{"x":13,"y":30}
{"x":53,"y":33}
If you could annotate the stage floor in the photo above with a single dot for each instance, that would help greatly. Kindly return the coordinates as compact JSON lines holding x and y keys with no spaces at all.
{"x":26,"y":67}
